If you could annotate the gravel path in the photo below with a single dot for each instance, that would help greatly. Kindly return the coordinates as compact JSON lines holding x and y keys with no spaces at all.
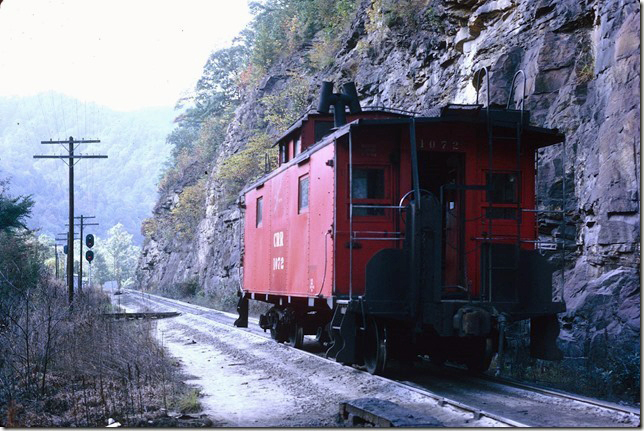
{"x":249,"y":381}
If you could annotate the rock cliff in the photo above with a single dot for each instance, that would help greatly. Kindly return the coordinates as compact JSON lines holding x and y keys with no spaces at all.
{"x":582,"y":64}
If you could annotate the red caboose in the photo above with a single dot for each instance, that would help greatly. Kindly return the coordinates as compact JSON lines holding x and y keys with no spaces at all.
{"x":399,"y":235}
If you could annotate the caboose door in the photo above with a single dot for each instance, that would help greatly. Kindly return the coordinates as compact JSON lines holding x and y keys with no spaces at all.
{"x":367,"y":190}
{"x":439,"y":173}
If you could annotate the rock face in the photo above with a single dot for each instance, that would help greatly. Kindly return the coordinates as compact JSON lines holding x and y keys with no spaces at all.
{"x":582,"y":66}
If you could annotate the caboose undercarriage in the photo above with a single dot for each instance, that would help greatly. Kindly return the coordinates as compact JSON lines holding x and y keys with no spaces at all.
{"x":432,"y":240}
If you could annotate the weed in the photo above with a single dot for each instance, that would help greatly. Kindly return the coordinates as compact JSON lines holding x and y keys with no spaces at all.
{"x":189,"y":401}
{"x":585,"y":73}
{"x":585,"y":64}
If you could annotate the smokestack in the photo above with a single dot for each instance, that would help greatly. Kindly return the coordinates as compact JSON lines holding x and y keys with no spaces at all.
{"x":348,"y":97}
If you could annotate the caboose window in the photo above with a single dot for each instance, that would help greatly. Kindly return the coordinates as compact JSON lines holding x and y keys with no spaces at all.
{"x":503,"y":187}
{"x":298,"y":147}
{"x":258,"y":211}
{"x":303,"y":194}
{"x":368,"y":185}
{"x":283,"y":153}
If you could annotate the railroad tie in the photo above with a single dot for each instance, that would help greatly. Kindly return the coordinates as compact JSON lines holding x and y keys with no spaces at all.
{"x":383,"y":413}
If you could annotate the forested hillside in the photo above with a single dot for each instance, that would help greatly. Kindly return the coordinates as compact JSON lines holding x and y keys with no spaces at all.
{"x":582,"y":65}
{"x":121,"y":188}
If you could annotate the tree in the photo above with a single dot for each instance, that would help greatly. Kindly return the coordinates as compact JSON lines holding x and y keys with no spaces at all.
{"x":100,"y":269}
{"x":182,"y":137}
{"x":14,"y":211}
{"x":19,"y":254}
{"x":216,"y":91}
{"x":49,"y":254}
{"x":219,"y":85}
{"x":122,"y":253}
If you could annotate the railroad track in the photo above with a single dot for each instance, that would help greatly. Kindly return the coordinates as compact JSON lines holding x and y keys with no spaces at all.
{"x":563,"y":395}
{"x":508,"y":402}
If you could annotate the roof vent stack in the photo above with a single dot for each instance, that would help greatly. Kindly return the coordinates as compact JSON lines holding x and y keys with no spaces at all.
{"x":348,"y":97}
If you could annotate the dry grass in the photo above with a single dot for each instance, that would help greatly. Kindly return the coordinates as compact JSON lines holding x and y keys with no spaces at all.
{"x":189,"y":401}
{"x":62,"y":366}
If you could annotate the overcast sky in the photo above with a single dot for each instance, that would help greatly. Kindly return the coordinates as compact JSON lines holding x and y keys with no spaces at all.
{"x":125,"y":54}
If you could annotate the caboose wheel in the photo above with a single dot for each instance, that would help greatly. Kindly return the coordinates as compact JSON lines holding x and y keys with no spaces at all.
{"x":275,"y":317}
{"x":296,"y":336}
{"x":375,"y":347}
{"x":482,"y":358}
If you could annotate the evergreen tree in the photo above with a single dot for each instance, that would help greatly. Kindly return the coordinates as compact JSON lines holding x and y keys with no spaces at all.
{"x":14,"y":211}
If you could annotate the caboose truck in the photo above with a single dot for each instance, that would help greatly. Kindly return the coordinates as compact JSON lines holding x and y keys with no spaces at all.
{"x":393,"y":235}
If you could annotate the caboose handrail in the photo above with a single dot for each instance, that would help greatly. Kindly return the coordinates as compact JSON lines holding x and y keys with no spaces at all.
{"x":516,"y":75}
{"x":378,"y":231}
{"x":398,"y":207}
{"x":390,"y":109}
{"x":536,"y":210}
{"x":368,"y":238}
{"x":399,"y":236}
{"x":479,"y":77}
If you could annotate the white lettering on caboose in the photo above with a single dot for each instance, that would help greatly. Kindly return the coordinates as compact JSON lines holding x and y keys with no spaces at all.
{"x":278,"y":263}
{"x":278,"y":239}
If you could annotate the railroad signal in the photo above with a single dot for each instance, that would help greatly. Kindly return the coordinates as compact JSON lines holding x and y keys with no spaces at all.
{"x":89,"y":255}
{"x":89,"y":240}
{"x":65,"y":248}
{"x":71,"y":161}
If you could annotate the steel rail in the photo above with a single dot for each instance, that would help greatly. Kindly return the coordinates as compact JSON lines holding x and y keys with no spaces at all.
{"x":560,"y":394}
{"x":477,"y":412}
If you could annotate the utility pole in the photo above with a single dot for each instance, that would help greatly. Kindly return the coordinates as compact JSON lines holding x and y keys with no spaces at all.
{"x":64,"y":240}
{"x":70,"y":160}
{"x":56,"y":255}
{"x":63,"y":237}
{"x":80,"y":268}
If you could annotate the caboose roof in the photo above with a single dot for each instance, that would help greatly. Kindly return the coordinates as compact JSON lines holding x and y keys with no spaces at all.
{"x":297,"y":125}
{"x":312,"y":113}
{"x":476,"y":115}
{"x":472,"y":114}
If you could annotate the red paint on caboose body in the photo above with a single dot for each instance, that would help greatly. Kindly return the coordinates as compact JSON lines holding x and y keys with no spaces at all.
{"x":305,"y":252}
{"x":288,"y":239}
{"x":292,"y":249}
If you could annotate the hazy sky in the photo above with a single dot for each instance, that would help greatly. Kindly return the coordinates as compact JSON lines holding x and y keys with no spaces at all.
{"x":125,"y":54}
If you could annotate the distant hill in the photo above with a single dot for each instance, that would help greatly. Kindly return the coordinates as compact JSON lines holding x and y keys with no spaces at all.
{"x":121,"y":188}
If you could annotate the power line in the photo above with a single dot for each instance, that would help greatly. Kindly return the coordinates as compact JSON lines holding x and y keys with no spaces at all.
{"x":82,"y":224}
{"x":53,"y":108}
{"x":77,"y":122}
{"x":61,"y":104}
{"x":42,"y":111}
{"x":85,"y":118}
{"x":70,"y":159}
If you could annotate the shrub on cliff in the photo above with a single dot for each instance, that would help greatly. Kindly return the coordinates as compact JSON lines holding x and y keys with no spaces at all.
{"x":281,"y":109}
{"x":246,"y":166}
{"x":190,"y":209}
{"x":280,"y":28}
